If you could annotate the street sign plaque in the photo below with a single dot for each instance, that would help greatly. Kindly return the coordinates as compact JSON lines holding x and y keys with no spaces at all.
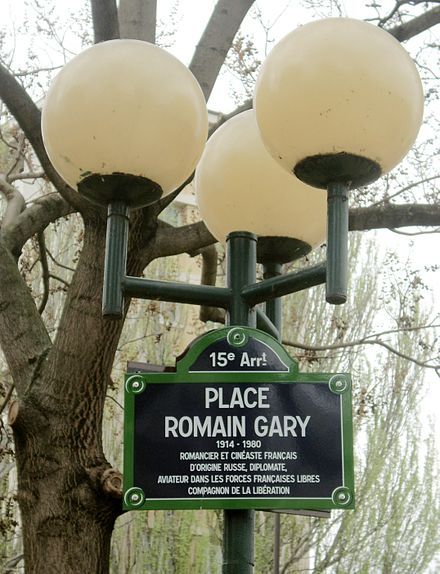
{"x":237,"y":426}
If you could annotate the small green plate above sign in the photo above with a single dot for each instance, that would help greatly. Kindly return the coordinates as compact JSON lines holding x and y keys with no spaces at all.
{"x":237,"y":426}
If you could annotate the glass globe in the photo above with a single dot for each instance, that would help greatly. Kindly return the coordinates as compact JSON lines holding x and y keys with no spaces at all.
{"x":338,"y":99}
{"x":239,"y":187}
{"x":124,"y":120}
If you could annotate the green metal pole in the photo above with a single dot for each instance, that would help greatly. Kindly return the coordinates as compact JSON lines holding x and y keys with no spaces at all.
{"x":241,"y":254}
{"x":177,"y":292}
{"x":281,"y":285}
{"x":238,"y":533}
{"x":274,"y":313}
{"x":337,"y":243}
{"x":115,"y":259}
{"x":265,"y":324}
{"x":273,"y":306}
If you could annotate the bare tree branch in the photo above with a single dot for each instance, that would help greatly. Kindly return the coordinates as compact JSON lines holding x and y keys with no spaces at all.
{"x":404,"y":189}
{"x":216,"y":41}
{"x":416,"y":233}
{"x":28,"y":117}
{"x":60,"y":279}
{"x":209,"y":276}
{"x":137,"y":19}
{"x":18,"y":161}
{"x":24,"y":339}
{"x":15,"y":203}
{"x":391,"y":216}
{"x":172,"y":241}
{"x":186,"y":239}
{"x":45,"y":270}
{"x":105,"y":20}
{"x":397,"y":7}
{"x":225,"y":117}
{"x":165,"y":202}
{"x":417,"y":25}
{"x":359,"y":342}
{"x":26,"y":175}
{"x":12,"y":563}
{"x":52,"y":258}
{"x":7,"y":398}
{"x":35,"y":219}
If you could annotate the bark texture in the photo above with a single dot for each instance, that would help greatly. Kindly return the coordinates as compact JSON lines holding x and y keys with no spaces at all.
{"x":105,"y":20}
{"x":137,"y":19}
{"x":58,"y":432}
{"x":216,"y":40}
{"x":416,"y":26}
{"x":69,"y":496}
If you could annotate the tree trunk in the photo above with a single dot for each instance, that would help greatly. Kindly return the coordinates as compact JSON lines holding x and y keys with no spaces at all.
{"x":67,"y":519}
{"x":68,"y":493}
{"x":65,"y":490}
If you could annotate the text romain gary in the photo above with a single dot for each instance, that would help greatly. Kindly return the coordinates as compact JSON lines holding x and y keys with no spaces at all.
{"x":235,"y":425}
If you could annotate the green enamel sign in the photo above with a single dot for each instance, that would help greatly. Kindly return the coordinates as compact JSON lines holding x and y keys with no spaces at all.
{"x":237,"y":426}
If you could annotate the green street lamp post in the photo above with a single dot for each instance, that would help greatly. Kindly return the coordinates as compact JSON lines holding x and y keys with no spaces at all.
{"x":338,"y":102}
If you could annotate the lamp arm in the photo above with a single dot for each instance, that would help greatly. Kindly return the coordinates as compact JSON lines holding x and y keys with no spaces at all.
{"x":284,"y":284}
{"x":337,"y":243}
{"x":176,"y":292}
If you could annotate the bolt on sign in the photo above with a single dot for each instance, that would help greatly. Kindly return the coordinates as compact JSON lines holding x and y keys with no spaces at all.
{"x":237,"y":426}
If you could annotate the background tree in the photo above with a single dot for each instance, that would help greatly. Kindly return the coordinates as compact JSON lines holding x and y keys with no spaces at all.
{"x":68,"y":492}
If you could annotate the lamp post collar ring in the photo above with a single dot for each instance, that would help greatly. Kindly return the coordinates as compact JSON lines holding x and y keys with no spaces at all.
{"x":321,"y":170}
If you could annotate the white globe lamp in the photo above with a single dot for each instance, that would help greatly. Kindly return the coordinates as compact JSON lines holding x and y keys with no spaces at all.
{"x":338,"y":100}
{"x":240,"y":187}
{"x":124,"y":120}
